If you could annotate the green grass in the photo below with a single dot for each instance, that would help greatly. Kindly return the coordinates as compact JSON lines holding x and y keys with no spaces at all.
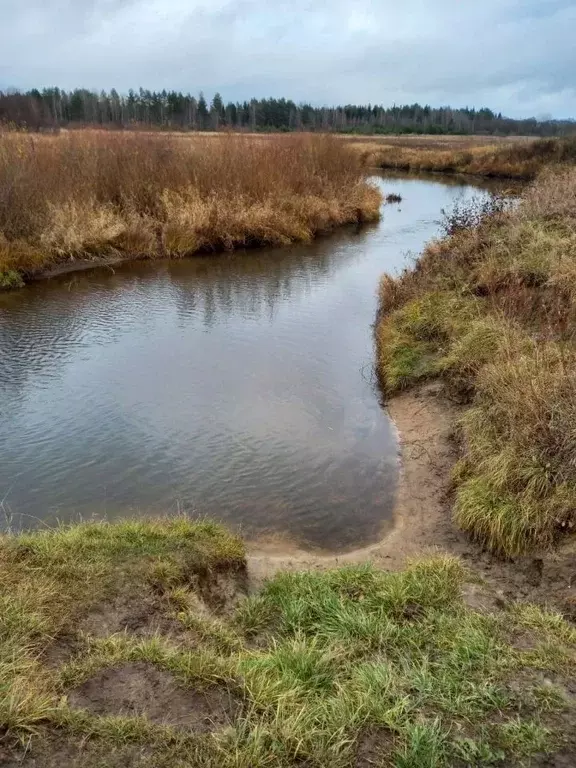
{"x":315,"y":660}
{"x":414,"y":339}
{"x":490,"y":311}
{"x":9,"y":278}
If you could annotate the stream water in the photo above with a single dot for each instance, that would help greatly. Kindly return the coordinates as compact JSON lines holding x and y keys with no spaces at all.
{"x":234,"y":386}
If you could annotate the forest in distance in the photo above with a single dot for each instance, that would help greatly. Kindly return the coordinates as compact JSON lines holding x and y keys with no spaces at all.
{"x":52,"y":108}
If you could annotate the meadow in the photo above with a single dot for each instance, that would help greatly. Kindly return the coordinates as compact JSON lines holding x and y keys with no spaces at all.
{"x":519,"y":158}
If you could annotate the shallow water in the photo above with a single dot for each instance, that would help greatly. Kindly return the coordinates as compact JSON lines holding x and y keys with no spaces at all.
{"x":237,"y":386}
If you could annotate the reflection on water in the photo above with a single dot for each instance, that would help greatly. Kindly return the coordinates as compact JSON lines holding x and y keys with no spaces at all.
{"x":235,"y":386}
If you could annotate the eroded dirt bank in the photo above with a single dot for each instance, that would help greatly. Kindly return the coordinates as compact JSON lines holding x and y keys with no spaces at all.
{"x":421,"y":523}
{"x":426,"y":421}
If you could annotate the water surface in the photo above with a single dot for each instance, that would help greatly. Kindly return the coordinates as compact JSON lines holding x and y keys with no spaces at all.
{"x":235,"y":386}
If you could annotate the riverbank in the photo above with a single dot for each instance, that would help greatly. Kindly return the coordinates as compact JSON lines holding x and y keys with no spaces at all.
{"x":167,"y":660}
{"x":423,"y":527}
{"x":421,"y":523}
{"x":97,"y":196}
{"x":519,"y":159}
{"x":488,"y":311}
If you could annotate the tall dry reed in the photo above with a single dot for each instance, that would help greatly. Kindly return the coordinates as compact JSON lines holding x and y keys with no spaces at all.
{"x":89,"y":193}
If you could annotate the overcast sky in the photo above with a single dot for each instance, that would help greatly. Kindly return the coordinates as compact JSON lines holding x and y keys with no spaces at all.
{"x":516,"y":56}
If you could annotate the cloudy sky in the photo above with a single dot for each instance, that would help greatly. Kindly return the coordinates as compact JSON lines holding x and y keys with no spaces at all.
{"x":517,"y":56}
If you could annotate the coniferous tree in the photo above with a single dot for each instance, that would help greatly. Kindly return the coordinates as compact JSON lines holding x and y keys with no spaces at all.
{"x":52,"y":108}
{"x":202,"y":112}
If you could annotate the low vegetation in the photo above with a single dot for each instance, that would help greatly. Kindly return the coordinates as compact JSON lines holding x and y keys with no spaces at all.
{"x":91,"y":194}
{"x":513,"y":159}
{"x":347,"y":667}
{"x":490,"y":310}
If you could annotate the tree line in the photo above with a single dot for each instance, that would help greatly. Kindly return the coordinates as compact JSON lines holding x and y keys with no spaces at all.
{"x":52,"y":108}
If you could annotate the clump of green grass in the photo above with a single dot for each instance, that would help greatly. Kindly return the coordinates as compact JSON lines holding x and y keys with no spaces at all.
{"x":358,"y":649}
{"x":414,"y":339}
{"x":315,"y":661}
{"x":521,"y":492}
{"x":9,"y":278}
{"x":490,"y":310}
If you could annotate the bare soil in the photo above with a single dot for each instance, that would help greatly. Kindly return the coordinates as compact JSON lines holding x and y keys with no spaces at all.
{"x":425,"y":420}
{"x":140,"y":614}
{"x":220,"y":592}
{"x":374,"y":745}
{"x":63,"y":751}
{"x":142,"y":689}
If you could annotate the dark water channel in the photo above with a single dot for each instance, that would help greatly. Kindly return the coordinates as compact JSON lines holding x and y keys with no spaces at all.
{"x":237,"y":387}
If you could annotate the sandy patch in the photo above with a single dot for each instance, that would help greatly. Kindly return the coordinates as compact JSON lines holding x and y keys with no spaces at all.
{"x":425,"y":421}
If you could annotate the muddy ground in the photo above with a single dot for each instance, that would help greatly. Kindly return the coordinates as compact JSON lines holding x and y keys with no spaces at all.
{"x":426,"y":421}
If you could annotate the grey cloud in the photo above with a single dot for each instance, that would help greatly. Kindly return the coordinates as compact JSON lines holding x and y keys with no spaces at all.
{"x":516,"y":56}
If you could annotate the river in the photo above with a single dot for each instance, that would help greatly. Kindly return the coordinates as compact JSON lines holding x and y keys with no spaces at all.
{"x":237,"y":387}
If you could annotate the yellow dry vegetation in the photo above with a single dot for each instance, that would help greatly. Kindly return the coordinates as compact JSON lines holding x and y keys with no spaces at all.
{"x":89,"y":194}
{"x":517,"y":158}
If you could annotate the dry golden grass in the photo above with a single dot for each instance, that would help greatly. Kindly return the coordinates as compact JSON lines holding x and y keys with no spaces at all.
{"x":443,"y":141}
{"x":91,"y":193}
{"x":513,"y":158}
{"x":492,"y":310}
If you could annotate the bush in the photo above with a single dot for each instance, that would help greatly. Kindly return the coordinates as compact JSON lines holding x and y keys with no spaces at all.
{"x":472,"y":213}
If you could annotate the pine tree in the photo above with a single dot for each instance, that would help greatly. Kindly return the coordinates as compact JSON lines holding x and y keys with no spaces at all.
{"x":202,"y":112}
{"x":217,"y":115}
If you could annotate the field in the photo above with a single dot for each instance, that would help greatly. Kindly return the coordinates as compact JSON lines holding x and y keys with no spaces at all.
{"x":490,"y":311}
{"x":444,"y":142}
{"x":165,"y":661}
{"x":89,"y":195}
{"x":518,"y":158}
